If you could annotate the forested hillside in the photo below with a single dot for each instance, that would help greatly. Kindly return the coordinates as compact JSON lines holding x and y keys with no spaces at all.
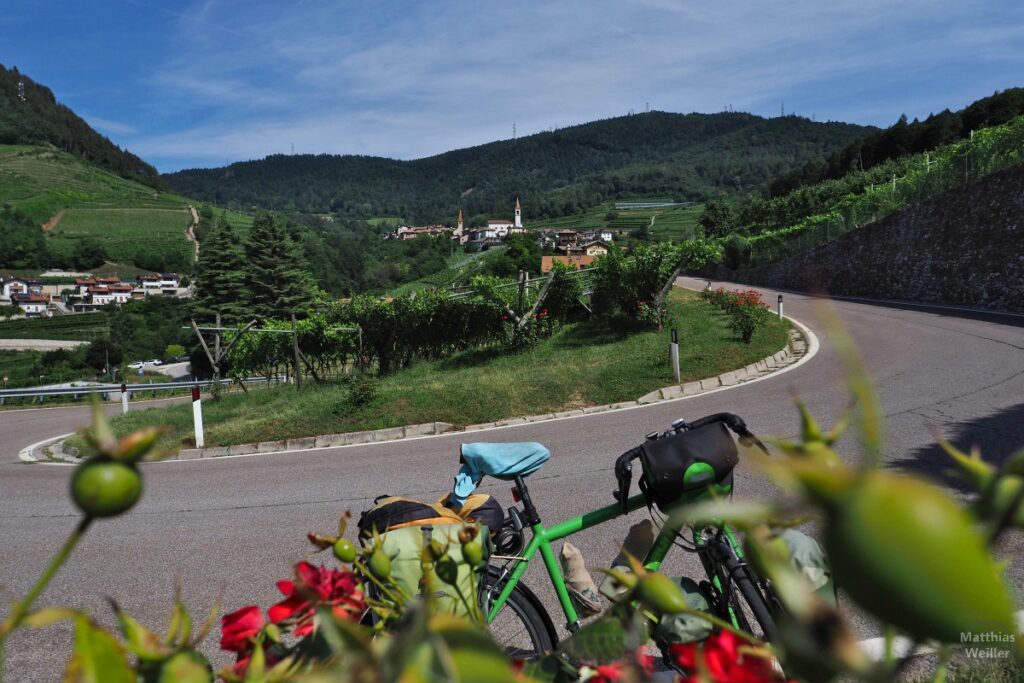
{"x":30,"y":114}
{"x":903,"y":138}
{"x":558,"y":173}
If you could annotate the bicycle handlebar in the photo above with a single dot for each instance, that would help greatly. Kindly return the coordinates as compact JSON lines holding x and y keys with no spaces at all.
{"x":624,"y":463}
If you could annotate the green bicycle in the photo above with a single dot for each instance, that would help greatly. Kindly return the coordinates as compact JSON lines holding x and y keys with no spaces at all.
{"x":687,"y":463}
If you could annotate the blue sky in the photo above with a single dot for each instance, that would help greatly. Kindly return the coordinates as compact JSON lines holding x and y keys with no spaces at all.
{"x":189,"y":83}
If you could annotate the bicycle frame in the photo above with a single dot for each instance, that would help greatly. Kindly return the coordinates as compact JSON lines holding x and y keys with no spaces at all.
{"x":543,"y":537}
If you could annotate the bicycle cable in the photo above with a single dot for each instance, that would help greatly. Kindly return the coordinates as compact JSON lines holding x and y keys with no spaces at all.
{"x":659,"y":523}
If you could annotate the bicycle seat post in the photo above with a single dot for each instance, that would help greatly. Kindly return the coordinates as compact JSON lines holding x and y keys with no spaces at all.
{"x":532,"y":518}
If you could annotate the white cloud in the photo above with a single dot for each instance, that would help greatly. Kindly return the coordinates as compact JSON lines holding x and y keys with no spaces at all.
{"x":109,"y":126}
{"x":408,"y":80}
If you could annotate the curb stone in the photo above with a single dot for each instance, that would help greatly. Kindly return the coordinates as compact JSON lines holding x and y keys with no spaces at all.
{"x":794,"y":350}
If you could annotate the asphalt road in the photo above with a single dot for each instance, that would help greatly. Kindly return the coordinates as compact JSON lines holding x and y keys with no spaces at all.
{"x":233,"y":526}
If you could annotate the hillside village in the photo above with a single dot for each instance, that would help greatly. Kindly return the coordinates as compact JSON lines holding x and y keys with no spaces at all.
{"x":38,"y":300}
{"x":574,"y":248}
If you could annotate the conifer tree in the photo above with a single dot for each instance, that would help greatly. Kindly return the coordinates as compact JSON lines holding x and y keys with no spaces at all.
{"x":278,"y":283}
{"x":220,"y":285}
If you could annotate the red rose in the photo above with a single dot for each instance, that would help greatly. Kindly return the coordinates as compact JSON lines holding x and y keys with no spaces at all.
{"x":724,"y":661}
{"x":238,"y":629}
{"x":607,"y":673}
{"x":314,"y":586}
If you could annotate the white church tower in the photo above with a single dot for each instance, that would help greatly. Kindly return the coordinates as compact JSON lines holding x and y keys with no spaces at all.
{"x":519,"y":215}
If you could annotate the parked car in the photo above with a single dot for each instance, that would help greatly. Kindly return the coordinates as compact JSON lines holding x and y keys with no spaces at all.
{"x":136,"y":365}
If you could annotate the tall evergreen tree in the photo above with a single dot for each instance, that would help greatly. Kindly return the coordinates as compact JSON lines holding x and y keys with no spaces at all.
{"x":220,"y":285}
{"x":278,"y":283}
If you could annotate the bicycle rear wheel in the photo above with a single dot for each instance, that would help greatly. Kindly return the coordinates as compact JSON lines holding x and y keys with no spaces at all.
{"x":523,"y":628}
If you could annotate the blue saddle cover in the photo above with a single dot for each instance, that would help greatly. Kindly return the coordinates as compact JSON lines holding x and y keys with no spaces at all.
{"x":500,"y":460}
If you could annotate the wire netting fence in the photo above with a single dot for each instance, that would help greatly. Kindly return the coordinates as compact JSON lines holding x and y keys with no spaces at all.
{"x":987,"y":151}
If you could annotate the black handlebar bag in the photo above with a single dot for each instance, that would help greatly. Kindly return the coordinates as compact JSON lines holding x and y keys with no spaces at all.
{"x":666,"y":460}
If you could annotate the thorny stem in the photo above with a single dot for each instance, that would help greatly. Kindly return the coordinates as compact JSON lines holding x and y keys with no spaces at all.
{"x":380,"y":585}
{"x":22,"y":607}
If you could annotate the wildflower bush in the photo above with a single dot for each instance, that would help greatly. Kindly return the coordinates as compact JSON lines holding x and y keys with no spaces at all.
{"x":746,"y":309}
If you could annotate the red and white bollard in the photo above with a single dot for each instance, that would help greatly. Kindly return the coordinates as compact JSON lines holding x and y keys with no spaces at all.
{"x":197,"y":416}
{"x":124,"y":398}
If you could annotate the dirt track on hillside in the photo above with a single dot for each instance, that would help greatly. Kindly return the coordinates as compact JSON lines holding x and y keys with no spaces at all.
{"x":190,"y":231}
{"x":52,"y":223}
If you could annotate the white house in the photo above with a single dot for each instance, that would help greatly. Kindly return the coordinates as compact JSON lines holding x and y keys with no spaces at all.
{"x":498,"y":229}
{"x":19,"y":285}
{"x":595,"y":248}
{"x":33,"y":305}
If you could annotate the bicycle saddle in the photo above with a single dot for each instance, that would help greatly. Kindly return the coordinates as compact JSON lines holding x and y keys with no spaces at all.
{"x":500,"y":460}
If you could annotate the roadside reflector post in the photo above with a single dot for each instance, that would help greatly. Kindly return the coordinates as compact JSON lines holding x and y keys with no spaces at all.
{"x":709,"y":286}
{"x":124,"y":398}
{"x":780,"y":307}
{"x":674,"y":347}
{"x":197,"y":415}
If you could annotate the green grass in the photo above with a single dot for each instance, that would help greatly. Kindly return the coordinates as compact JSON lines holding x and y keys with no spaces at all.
{"x":390,"y":220}
{"x":583,"y":364}
{"x":84,"y":327}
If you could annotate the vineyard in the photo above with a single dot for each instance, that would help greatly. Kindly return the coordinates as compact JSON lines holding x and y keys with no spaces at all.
{"x":122,"y":231}
{"x":85,"y":327}
{"x":670,"y":223}
{"x":40,"y":181}
{"x":926,"y":175}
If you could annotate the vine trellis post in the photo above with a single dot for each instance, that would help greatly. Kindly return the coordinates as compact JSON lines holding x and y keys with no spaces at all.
{"x":219,"y":353}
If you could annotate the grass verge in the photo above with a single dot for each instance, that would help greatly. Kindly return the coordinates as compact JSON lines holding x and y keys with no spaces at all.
{"x":582,"y":364}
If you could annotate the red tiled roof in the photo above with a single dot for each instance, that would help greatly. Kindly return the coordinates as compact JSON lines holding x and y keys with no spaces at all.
{"x":31,"y":298}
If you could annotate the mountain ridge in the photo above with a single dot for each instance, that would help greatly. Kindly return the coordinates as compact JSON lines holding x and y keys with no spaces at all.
{"x":555,"y":173}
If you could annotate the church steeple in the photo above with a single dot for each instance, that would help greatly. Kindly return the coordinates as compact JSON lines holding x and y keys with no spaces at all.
{"x":519,"y":214}
{"x":460,"y":221}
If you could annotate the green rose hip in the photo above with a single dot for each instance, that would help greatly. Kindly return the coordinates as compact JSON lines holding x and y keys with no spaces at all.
{"x":102,"y":487}
{"x":907,"y":553}
{"x":380,"y":564}
{"x":345,"y":551}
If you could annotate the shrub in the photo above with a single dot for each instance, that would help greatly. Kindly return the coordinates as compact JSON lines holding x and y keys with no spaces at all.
{"x":737,"y":251}
{"x":362,"y":389}
{"x":748,"y":311}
